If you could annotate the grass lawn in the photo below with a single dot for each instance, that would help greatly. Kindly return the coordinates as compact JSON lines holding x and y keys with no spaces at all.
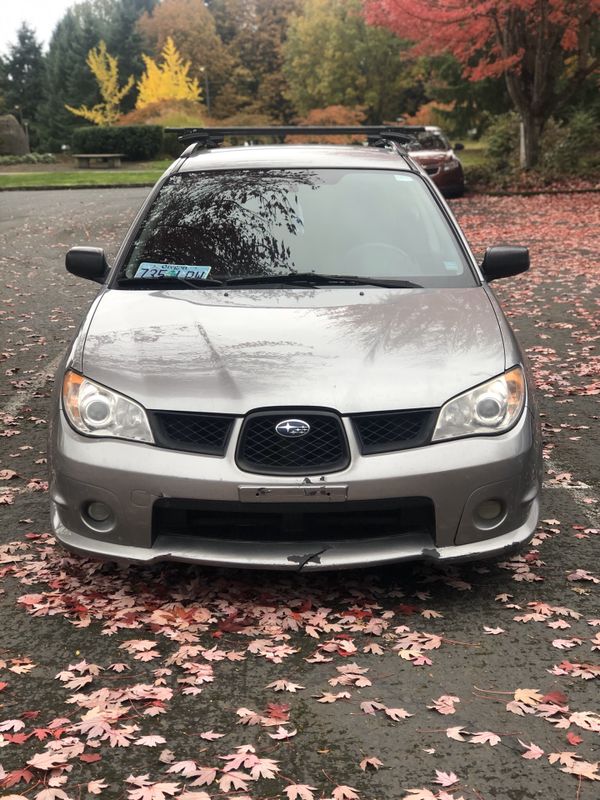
{"x":88,"y":177}
{"x":473,"y":155}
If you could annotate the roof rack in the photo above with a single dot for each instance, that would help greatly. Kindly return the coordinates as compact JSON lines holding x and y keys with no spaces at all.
{"x":377,"y":135}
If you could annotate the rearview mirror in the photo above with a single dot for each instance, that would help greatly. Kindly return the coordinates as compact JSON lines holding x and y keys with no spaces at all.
{"x":504,"y":260}
{"x":87,"y":262}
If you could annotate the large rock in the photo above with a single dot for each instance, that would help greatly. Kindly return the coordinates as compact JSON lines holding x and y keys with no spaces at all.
{"x":13,"y":139}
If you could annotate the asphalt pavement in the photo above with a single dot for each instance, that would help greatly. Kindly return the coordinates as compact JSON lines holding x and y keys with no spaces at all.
{"x":476,"y":645}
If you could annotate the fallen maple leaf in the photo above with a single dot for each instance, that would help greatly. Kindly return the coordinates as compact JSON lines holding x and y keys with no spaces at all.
{"x":281,"y":733}
{"x":96,"y":787}
{"x":52,"y":794}
{"x":485,"y":737}
{"x":558,"y":698}
{"x":188,"y":769}
{"x":12,"y":725}
{"x":205,"y":776}
{"x":233,"y":780}
{"x":371,"y":761}
{"x":371,"y":706}
{"x":344,"y":793}
{"x":531,"y":697}
{"x":397,"y":714}
{"x":329,"y":697}
{"x":573,"y":738}
{"x":493,"y":631}
{"x":532,"y":751}
{"x":153,"y":791}
{"x":445,"y":704}
{"x":456,"y":733}
{"x":150,"y":741}
{"x":445,"y":778}
{"x":284,"y":686}
{"x":300,"y":791}
{"x":210,"y":736}
{"x":585,"y":769}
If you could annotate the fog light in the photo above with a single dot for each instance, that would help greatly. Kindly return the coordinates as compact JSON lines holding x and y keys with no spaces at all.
{"x":99,"y":512}
{"x":489,"y":510}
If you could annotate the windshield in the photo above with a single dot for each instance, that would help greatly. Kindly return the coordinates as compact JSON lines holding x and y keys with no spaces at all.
{"x":211,"y":226}
{"x":429,"y":140}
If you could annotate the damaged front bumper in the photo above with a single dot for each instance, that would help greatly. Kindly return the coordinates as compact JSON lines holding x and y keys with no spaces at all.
{"x":456,"y":476}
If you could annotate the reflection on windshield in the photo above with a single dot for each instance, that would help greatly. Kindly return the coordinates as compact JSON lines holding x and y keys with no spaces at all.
{"x":235,"y":223}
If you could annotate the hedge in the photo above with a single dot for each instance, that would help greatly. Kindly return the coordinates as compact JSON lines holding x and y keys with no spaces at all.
{"x":137,"y":142}
{"x":29,"y":158}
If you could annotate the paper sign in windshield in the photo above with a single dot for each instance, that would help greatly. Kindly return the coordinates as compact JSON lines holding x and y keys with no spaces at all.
{"x":148,"y":269}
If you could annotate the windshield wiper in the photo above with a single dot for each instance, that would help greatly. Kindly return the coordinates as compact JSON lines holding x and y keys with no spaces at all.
{"x":321,"y":279}
{"x":166,"y":280}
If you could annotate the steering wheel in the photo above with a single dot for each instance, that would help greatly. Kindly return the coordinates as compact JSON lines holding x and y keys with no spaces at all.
{"x":379,"y":259}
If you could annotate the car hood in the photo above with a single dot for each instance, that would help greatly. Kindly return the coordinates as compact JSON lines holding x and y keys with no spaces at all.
{"x":430,"y":156}
{"x":351,"y":349}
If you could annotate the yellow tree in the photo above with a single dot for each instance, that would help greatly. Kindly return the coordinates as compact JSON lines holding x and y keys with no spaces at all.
{"x":105,"y":69}
{"x":169,"y":80}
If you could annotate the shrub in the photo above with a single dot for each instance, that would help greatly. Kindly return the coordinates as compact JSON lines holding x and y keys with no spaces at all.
{"x":167,"y":114}
{"x":571,"y":147}
{"x":503,"y":142}
{"x":137,"y":142}
{"x":29,"y":158}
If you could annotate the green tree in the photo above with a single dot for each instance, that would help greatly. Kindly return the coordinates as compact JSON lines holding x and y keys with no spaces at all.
{"x":333,"y":58}
{"x":68,"y":79}
{"x":254,"y":32}
{"x":125,"y":40}
{"x":23,"y":78}
{"x":474,"y":105}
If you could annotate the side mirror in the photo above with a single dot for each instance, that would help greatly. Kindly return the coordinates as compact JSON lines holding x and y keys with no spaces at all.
{"x":503,"y":261}
{"x":87,"y":262}
{"x":459,"y":146}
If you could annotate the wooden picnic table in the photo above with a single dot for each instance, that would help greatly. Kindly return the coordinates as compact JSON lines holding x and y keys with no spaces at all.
{"x":105,"y":160}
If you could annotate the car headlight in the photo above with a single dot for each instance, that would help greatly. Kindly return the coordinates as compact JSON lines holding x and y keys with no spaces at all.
{"x":491,"y":407}
{"x":97,"y":411}
{"x":450,"y":163}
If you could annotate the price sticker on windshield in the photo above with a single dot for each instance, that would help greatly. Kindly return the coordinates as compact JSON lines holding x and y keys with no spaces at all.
{"x":148,"y":269}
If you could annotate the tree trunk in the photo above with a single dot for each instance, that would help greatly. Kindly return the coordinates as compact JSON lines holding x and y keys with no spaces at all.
{"x":531,"y":131}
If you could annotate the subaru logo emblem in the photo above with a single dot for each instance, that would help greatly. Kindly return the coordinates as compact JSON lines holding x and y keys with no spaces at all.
{"x":292,"y":428}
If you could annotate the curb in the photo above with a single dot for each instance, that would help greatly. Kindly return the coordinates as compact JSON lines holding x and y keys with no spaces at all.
{"x":78,"y":186}
{"x":528,"y":192}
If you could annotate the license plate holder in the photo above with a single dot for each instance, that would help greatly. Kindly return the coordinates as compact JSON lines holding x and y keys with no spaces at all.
{"x":296,"y":493}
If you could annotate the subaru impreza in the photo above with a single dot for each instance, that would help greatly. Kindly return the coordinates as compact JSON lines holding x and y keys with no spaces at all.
{"x":294,"y":362}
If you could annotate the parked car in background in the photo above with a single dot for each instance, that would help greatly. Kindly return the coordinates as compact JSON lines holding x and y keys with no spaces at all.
{"x":435,"y":154}
{"x":295,"y":362}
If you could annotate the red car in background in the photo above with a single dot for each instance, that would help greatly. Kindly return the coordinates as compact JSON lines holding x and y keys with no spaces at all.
{"x":436,"y":155}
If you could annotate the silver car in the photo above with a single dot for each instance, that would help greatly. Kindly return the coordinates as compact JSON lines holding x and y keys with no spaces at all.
{"x":295,"y":362}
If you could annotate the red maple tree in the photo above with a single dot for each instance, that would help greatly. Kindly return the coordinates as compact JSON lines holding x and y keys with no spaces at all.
{"x":544,"y":48}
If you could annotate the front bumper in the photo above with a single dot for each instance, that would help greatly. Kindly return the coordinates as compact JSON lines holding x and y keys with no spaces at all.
{"x":455,"y":475}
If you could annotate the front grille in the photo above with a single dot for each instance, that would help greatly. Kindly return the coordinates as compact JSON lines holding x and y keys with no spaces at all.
{"x":262,"y":450}
{"x":291,"y":522}
{"x":396,"y":430}
{"x":194,"y":433}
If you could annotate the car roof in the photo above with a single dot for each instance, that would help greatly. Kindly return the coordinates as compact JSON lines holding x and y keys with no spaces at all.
{"x":290,"y":156}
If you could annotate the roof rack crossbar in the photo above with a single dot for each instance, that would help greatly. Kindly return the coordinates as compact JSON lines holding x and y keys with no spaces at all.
{"x":213,"y":136}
